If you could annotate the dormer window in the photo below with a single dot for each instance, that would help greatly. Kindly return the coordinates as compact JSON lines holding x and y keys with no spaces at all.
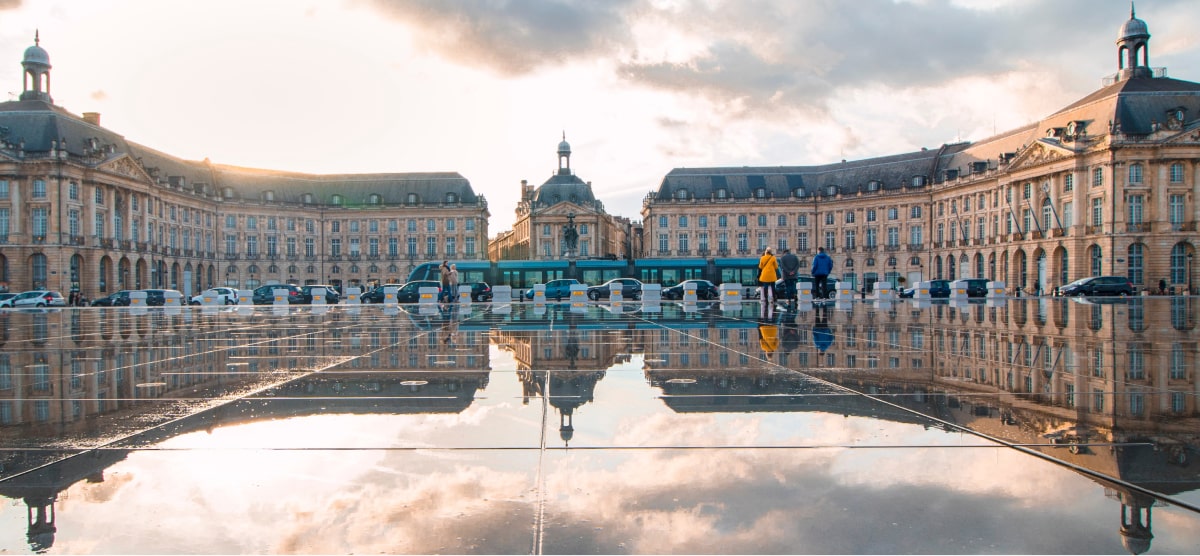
{"x":374,"y":199}
{"x":336,"y":200}
{"x":451,"y":197}
{"x":798,"y":192}
{"x":918,"y":181}
{"x":722,"y":193}
{"x":873,"y":185}
{"x":760,"y":193}
{"x":307,"y":199}
{"x":681,"y":194}
{"x":268,"y":195}
{"x":227,"y":192}
{"x":411,"y":199}
{"x":831,"y":190}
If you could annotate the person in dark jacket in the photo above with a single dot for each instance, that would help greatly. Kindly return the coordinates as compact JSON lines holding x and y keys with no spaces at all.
{"x":789,"y":266}
{"x":822,"y":265}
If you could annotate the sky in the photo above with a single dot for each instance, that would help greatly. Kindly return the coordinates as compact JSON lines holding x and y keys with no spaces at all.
{"x":487,"y":88}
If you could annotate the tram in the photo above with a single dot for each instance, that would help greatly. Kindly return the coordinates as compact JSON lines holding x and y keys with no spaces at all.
{"x":521,"y":275}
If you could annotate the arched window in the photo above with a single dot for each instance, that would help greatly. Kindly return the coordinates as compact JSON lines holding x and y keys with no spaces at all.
{"x":37,"y":264}
{"x":268,"y":195}
{"x":308,"y":198}
{"x":937,"y":268}
{"x":722,"y":193}
{"x":681,"y":193}
{"x":336,"y":200}
{"x":950,"y":264}
{"x":1179,"y":265}
{"x":374,"y":199}
{"x":798,"y":192}
{"x":1136,"y":261}
{"x":1063,"y":267}
{"x":411,"y":199}
{"x":1097,"y":258}
{"x":760,"y":193}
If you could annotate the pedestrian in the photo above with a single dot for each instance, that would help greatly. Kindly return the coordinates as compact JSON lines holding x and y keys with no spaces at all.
{"x":1162,"y":286}
{"x":768,"y":273}
{"x":822,"y":265}
{"x":789,"y":265}
{"x":444,"y":272}
{"x":452,"y":281}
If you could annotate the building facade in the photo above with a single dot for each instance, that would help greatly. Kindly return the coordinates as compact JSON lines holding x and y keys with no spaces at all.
{"x":562,"y":219}
{"x":1105,"y":186}
{"x":82,"y":208}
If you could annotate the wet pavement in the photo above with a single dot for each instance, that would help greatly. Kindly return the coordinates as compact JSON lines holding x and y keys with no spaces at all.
{"x":1047,"y":426}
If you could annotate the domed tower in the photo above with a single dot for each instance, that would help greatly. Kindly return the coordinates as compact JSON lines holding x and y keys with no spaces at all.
{"x":1133,"y":49}
{"x":564,"y":156}
{"x":37,"y":72}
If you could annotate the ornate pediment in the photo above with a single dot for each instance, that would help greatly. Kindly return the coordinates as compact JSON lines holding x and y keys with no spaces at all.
{"x":564,"y":208}
{"x":1188,"y":136}
{"x":1040,"y":152}
{"x":126,"y":166}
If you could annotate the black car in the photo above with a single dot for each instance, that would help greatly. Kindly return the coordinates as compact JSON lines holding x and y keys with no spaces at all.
{"x":631,"y":288}
{"x":976,"y":287}
{"x":158,"y":298}
{"x":1098,"y":285}
{"x":331,"y":295}
{"x":117,"y":299}
{"x":376,"y":295}
{"x":704,"y":290}
{"x":411,"y":292}
{"x":937,"y":288}
{"x":265,"y":295}
{"x":806,"y":281}
{"x":480,"y":291}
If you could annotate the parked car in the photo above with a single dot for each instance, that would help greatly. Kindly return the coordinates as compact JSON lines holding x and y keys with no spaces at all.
{"x":411,"y":292}
{"x":115,"y":299}
{"x":158,"y":298}
{"x":36,"y":298}
{"x":976,"y":287}
{"x":481,"y":291}
{"x":806,"y":280}
{"x":227,"y":296}
{"x":1098,"y":285}
{"x":557,"y":289}
{"x":5,"y":297}
{"x":331,"y":295}
{"x":265,"y":295}
{"x":704,"y":290}
{"x":376,"y":295}
{"x":937,"y":288}
{"x":631,"y":288}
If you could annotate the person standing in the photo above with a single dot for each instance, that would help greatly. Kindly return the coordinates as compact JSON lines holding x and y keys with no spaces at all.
{"x":789,"y":265}
{"x":822,"y":265}
{"x":452,"y":281}
{"x":444,"y":272}
{"x":768,"y":273}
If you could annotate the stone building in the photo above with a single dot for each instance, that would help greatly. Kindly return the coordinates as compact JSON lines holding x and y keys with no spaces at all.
{"x":82,"y":207}
{"x":562,"y":219}
{"x":1104,"y":186}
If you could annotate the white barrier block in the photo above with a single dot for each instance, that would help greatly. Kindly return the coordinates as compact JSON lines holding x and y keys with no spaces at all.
{"x":921,"y":290}
{"x":389,"y":295}
{"x":958,"y":289}
{"x":245,"y":297}
{"x":578,"y":294}
{"x":690,"y":294}
{"x":210,"y":299}
{"x":464,"y":294}
{"x":427,"y":296}
{"x":172,"y":299}
{"x":614,"y":293}
{"x":804,"y":292}
{"x":883,"y":304}
{"x":845,"y":291}
{"x":731,"y":293}
{"x":884,"y":291}
{"x":354,"y":296}
{"x":539,"y":293}
{"x":651,"y":293}
{"x":318,"y":296}
{"x":137,"y":299}
{"x":995,"y":290}
{"x":501,"y":294}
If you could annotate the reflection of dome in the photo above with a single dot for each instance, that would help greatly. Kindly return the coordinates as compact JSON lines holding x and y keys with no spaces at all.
{"x":1135,"y":545}
{"x":1133,"y":28}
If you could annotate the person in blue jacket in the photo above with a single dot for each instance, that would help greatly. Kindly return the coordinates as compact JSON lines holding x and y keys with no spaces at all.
{"x":822,"y":265}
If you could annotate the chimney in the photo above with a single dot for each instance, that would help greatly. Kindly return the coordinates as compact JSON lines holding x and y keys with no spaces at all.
{"x":92,"y":118}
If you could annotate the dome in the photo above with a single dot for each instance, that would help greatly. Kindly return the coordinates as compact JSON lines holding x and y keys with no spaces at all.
{"x":36,"y":55}
{"x":1133,"y":28}
{"x":564,"y":147}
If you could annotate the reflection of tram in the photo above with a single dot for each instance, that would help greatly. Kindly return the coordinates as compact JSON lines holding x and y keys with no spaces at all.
{"x":668,"y":272}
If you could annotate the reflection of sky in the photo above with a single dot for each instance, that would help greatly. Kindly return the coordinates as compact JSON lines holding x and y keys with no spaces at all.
{"x":215,"y":492}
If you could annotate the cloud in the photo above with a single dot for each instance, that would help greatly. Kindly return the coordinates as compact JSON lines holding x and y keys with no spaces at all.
{"x":513,"y":37}
{"x":10,"y":4}
{"x":98,"y":95}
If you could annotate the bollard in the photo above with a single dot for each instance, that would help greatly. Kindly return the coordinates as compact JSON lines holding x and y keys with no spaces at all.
{"x":845,"y":291}
{"x":731,"y":293}
{"x":389,"y":295}
{"x":651,"y":293}
{"x":501,"y":294}
{"x":958,"y":290}
{"x":318,"y":296}
{"x":426,"y":297}
{"x":245,"y":297}
{"x":884,"y":292}
{"x":539,"y":293}
{"x":995,"y":290}
{"x":921,"y":290}
{"x":354,"y":296}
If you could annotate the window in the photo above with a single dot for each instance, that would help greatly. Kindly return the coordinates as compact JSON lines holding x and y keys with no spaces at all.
{"x":915,"y":212}
{"x":683,"y":242}
{"x":1068,"y":214}
{"x":831,"y":190}
{"x":723,"y":241}
{"x":781,"y":221}
{"x":915,"y":235}
{"x":73,"y":221}
{"x":802,"y":220}
{"x":762,"y":220}
{"x":451,"y":224}
{"x":870,"y":215}
{"x":1135,"y":174}
{"x":411,"y":199}
{"x":893,"y":236}
{"x":1097,"y":212}
{"x":893,"y":213}
{"x":871,"y":239}
{"x":681,"y":193}
{"x":873,"y":185}
{"x":742,"y":221}
{"x":4,"y":190}
{"x":1097,"y":259}
{"x":722,"y":221}
{"x":829,"y":219}
{"x":1026,"y":190}
{"x":743,"y":243}
{"x":431,"y":246}
{"x":39,"y":189}
{"x":73,"y":191}
{"x":760,"y":193}
{"x":830,"y":240}
{"x":850,"y":239}
{"x":41,"y":221}
{"x":1179,"y":264}
{"x":662,"y":221}
{"x":663,"y":243}
{"x":336,"y":200}
{"x":1176,"y":172}
{"x":722,"y":193}
{"x":1136,"y":274}
{"x":1135,"y":209}
{"x":430,"y":225}
{"x":1097,"y":177}
{"x":683,"y":221}
{"x":1069,"y":182}
{"x":1176,"y":208}
{"x":849,"y":217}
{"x":252,"y":223}
{"x":798,"y":192}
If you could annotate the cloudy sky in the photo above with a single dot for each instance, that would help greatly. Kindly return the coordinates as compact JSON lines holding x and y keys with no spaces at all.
{"x":486,"y":87}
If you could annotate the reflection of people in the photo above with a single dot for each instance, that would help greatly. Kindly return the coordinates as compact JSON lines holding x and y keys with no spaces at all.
{"x":768,"y":273}
{"x":822,"y":335}
{"x":768,"y":337}
{"x":822,"y":265}
{"x":789,"y":265}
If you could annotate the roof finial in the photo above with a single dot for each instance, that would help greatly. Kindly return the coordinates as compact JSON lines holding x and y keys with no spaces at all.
{"x":36,"y":40}
{"x":1132,"y":15}
{"x":564,"y":135}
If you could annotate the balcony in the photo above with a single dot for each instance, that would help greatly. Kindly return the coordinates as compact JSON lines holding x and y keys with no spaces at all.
{"x":1138,"y":227}
{"x":663,"y":252}
{"x":126,"y":245}
{"x":722,"y":252}
{"x":143,"y":246}
{"x":310,"y":258}
{"x":4,"y":240}
{"x":106,"y":242}
{"x":683,"y":252}
{"x":373,"y":257}
{"x":891,"y":248}
{"x":1183,"y":226}
{"x":335,"y":257}
{"x":1094,"y":229}
{"x":39,"y":240}
{"x":354,"y":257}
{"x":870,"y":248}
{"x":251,"y":256}
{"x":1036,"y":234}
{"x":915,"y":247}
{"x":76,"y":240}
{"x":231,"y":256}
{"x":743,"y":251}
{"x":393,"y":256}
{"x":292,"y":257}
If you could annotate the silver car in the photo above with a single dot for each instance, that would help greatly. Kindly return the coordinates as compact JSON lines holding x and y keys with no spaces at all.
{"x":36,"y":298}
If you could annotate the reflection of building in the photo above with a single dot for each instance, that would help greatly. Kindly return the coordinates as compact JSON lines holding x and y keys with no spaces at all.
{"x":545,"y":214}
{"x":1105,"y":186}
{"x":80,"y":204}
{"x":1075,"y":379}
